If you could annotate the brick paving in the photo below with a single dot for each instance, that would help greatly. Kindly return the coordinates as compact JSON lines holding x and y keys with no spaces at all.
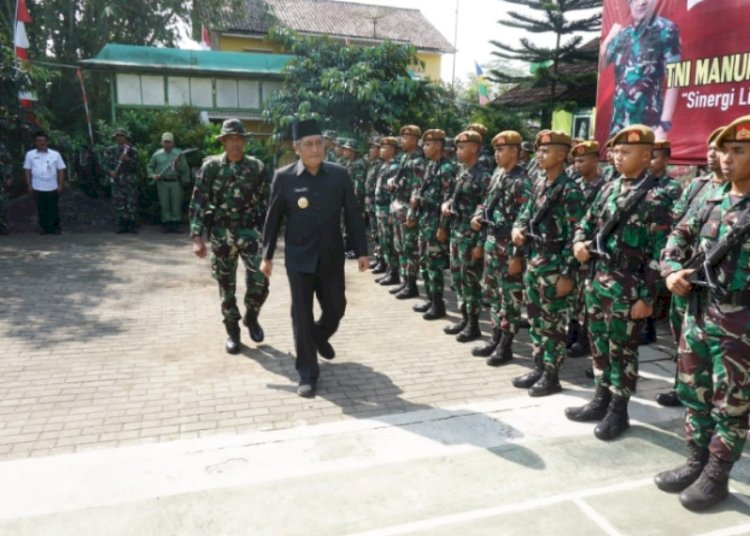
{"x":110,"y":341}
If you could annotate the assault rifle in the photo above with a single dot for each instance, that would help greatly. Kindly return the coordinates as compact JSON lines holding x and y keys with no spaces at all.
{"x":531,"y":228}
{"x":172,"y":164}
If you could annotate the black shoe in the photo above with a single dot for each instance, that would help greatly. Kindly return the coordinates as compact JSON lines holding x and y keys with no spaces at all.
{"x":422,"y":307}
{"x":350,"y":254}
{"x":649,"y":332}
{"x":589,"y":372}
{"x":616,"y":421}
{"x":530,"y":378}
{"x":594,"y":410}
{"x":574,"y":333}
{"x":524,"y":323}
{"x":580,"y":348}
{"x":547,"y":384}
{"x":256,"y":332}
{"x":391,"y":279}
{"x":669,"y":399}
{"x":325,"y":349}
{"x":487,"y":349}
{"x":711,"y":487}
{"x":471,"y":331}
{"x":398,"y":289}
{"x":437,"y":309}
{"x":232,"y":346}
{"x":680,"y":478}
{"x":459,"y":326}
{"x":306,"y":389}
{"x":374,"y":263}
{"x":410,"y":290}
{"x":379,"y":268}
{"x":504,"y":351}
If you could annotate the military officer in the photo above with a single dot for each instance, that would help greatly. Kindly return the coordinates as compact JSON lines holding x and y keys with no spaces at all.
{"x":374,"y":163}
{"x":229,"y":203}
{"x":122,"y":164}
{"x":355,"y":166}
{"x":329,"y":139}
{"x":546,"y":224}
{"x":486,"y":159}
{"x":170,"y":170}
{"x":382,"y":200}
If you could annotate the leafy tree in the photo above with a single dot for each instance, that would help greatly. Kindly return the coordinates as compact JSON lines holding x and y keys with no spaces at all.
{"x":550,"y":16}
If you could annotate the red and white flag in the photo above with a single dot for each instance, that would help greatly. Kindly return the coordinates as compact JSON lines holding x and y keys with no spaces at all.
{"x":205,"y":38}
{"x":21,"y":43}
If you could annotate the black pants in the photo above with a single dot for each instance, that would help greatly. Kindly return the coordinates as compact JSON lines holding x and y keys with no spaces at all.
{"x":327,"y":284}
{"x":48,"y":211}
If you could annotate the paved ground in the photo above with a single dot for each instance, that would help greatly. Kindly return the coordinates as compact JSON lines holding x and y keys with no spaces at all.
{"x":121,"y":414}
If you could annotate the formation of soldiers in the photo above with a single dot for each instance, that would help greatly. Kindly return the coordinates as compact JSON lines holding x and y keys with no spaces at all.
{"x":593,"y":254}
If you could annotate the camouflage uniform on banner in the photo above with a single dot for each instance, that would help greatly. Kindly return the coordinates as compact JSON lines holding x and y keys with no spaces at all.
{"x":436,"y":187}
{"x":122,"y":162}
{"x":640,"y":54}
{"x":230,"y":201}
{"x":382,"y":201}
{"x":465,"y":264}
{"x":509,"y":190}
{"x":5,"y":175}
{"x":405,"y":230}
{"x":551,"y":212}
{"x":371,"y":178}
{"x":626,"y":275}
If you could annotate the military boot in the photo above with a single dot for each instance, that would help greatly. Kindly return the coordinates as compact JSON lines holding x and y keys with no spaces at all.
{"x":391,"y":279}
{"x":711,"y":488}
{"x":487,"y":349}
{"x":580,"y":348}
{"x":232,"y":346}
{"x":574,"y":332}
{"x":668,"y":399}
{"x":437,"y":309}
{"x":471,"y":331}
{"x":379,"y":268}
{"x":424,"y":306}
{"x":547,"y":384}
{"x":530,"y":378}
{"x":594,"y":410}
{"x":680,"y":478}
{"x":504,"y":351}
{"x":254,"y":328}
{"x":458,"y":327}
{"x":410,"y":290}
{"x":649,"y":331}
{"x":616,"y":420}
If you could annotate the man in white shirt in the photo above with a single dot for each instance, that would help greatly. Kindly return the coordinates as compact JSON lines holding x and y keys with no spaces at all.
{"x":44,"y":170}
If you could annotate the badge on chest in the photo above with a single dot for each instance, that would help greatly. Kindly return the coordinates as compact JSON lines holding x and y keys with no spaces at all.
{"x":303,"y":203}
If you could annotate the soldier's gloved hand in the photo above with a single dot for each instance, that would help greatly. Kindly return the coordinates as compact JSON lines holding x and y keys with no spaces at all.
{"x":519,"y":239}
{"x":515,"y":266}
{"x":564,"y":286}
{"x":641,"y":310}
{"x":199,"y":248}
{"x":476,"y":224}
{"x":678,"y":284}
{"x":581,"y":251}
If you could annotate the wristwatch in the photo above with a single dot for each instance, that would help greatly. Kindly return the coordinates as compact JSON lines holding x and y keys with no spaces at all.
{"x":666,"y":125}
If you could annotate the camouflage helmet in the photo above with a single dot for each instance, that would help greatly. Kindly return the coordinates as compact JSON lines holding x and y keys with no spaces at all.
{"x":121,"y":132}
{"x":232,"y":126}
{"x":350,"y":143}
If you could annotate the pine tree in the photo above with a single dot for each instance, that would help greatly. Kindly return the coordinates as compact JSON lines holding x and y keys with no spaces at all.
{"x":549,"y":62}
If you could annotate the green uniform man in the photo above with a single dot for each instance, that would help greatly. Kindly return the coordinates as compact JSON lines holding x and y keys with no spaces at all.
{"x":586,"y":162}
{"x":509,"y":191}
{"x":169,"y":169}
{"x":485,"y":156}
{"x":5,"y":176}
{"x":405,"y":229}
{"x":466,"y":253}
{"x":329,"y":142}
{"x":714,"y":361}
{"x":693,"y":196}
{"x":357,"y":169}
{"x":122,"y":163}
{"x":623,"y":233}
{"x":426,"y":200}
{"x":382,"y":200}
{"x":545,"y":226}
{"x":229,"y":202}
{"x":374,"y":163}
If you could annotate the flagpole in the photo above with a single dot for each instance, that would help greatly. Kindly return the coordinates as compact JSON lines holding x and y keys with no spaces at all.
{"x":15,"y":30}
{"x":455,"y":42}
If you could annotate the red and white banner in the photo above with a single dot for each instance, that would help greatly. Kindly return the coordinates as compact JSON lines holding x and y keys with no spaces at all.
{"x":681,"y":67}
{"x":21,"y":43}
{"x":205,"y":38}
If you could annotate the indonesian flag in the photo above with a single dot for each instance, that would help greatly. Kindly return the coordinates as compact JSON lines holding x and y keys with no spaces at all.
{"x":21,"y":42}
{"x":205,"y":38}
{"x":483,"y":90}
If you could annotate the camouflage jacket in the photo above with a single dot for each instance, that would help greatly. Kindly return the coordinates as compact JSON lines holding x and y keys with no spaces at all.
{"x":388,"y":170}
{"x":229,"y":194}
{"x":635,"y":245}
{"x":693,"y":195}
{"x":435,"y":188}
{"x":469,"y":192}
{"x":113,"y":161}
{"x":371,"y":180}
{"x":701,"y":229}
{"x":508,"y":193}
{"x":486,"y":159}
{"x":357,"y":172}
{"x":609,"y":173}
{"x":553,"y":251}
{"x":409,"y":177}
{"x":590,"y":189}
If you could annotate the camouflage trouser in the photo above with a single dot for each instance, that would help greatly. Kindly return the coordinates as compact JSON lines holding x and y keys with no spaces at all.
{"x":547,"y":315}
{"x":3,"y":208}
{"x":466,"y":272}
{"x":226,"y":246}
{"x":613,"y":334}
{"x":372,"y":233}
{"x":405,"y":244}
{"x":433,"y":256}
{"x":504,"y":292}
{"x":677,"y":309}
{"x":125,"y":197}
{"x":714,"y":380}
{"x":385,"y":236}
{"x":577,"y":301}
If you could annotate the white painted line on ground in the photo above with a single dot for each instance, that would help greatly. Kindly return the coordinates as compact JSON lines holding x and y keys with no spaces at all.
{"x":731,"y":531}
{"x":596,"y":517}
{"x":485,"y":513}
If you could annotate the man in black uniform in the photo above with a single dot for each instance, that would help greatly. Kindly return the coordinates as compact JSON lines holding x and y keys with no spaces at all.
{"x":310,"y":194}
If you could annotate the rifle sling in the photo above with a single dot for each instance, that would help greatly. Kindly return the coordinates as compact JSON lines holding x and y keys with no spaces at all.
{"x":630,"y":204}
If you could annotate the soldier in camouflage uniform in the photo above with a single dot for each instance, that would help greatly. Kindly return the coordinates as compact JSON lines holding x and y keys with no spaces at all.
{"x":640,"y":53}
{"x":586,"y":157}
{"x":357,"y":169}
{"x":503,"y":263}
{"x":449,"y":151}
{"x":486,"y":159}
{"x":122,"y":163}
{"x":623,"y":290}
{"x":382,"y":201}
{"x":405,"y":230}
{"x":609,"y":172}
{"x":373,"y":163}
{"x":426,"y":200}
{"x":5,"y":177}
{"x":714,"y":361}
{"x":545,"y":225}
{"x":466,"y":253}
{"x":229,"y":202}
{"x":329,"y":141}
{"x":693,"y":196}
